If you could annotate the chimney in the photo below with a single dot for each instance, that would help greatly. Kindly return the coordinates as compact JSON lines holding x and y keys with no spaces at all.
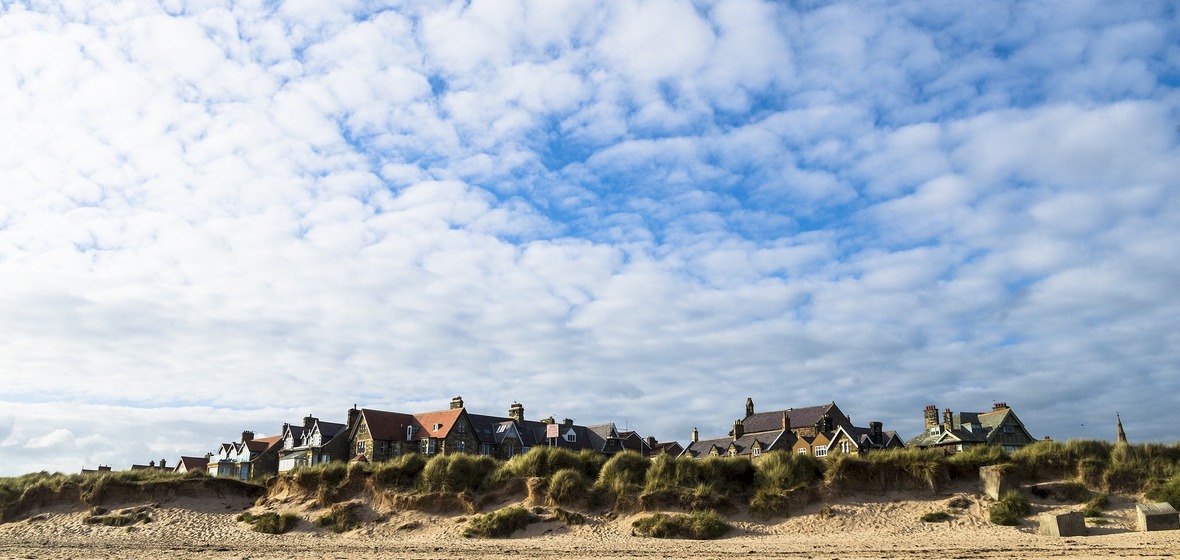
{"x":353,"y":416}
{"x":568,"y":421}
{"x":247,"y":436}
{"x":651,"y":441}
{"x":516,"y":412}
{"x":308,"y":422}
{"x":152,"y":464}
{"x":948,"y":419}
{"x":456,"y":402}
{"x":549,"y":420}
{"x":876,"y":432}
{"x":208,"y":456}
{"x":749,"y":406}
{"x":163,"y":464}
{"x":738,"y":429}
{"x":786,"y":422}
{"x":695,"y":435}
{"x":999,"y":406}
{"x":931,"y":414}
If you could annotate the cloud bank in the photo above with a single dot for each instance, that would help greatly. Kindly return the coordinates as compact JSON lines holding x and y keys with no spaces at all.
{"x":223,"y":216}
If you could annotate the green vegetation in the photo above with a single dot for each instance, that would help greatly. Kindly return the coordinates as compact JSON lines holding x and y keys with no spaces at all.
{"x":1167,"y":490}
{"x":270,"y":522}
{"x":568,"y":487}
{"x":1096,"y":506}
{"x":701,"y":526}
{"x":340,"y":518}
{"x":459,"y":472}
{"x":400,"y":473}
{"x":1011,"y":507}
{"x":936,"y":517}
{"x":624,"y":473}
{"x":499,"y":524}
{"x":777,"y":476}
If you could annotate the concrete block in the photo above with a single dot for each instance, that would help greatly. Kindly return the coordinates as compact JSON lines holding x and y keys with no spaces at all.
{"x":1157,"y":517}
{"x":996,"y":482}
{"x":1071,"y":524}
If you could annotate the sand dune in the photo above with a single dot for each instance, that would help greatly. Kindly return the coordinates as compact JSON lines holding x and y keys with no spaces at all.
{"x":846,"y":527}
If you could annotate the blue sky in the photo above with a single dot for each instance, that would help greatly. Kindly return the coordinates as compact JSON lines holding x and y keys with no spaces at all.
{"x":218,"y":216}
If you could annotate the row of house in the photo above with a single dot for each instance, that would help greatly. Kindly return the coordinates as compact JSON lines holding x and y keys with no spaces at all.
{"x":377,"y":435}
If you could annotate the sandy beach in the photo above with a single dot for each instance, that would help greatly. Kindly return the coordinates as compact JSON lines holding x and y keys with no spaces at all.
{"x":846,"y":527}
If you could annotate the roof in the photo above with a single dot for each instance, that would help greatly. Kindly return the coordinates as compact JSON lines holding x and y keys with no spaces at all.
{"x":767,"y":441}
{"x":260,"y":445}
{"x":387,"y":426}
{"x":966,"y":427}
{"x":193,"y":463}
{"x":436,"y":424}
{"x":329,"y":429}
{"x":799,"y":417}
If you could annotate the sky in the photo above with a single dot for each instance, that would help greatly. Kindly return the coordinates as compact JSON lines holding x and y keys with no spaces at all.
{"x":223,"y":216}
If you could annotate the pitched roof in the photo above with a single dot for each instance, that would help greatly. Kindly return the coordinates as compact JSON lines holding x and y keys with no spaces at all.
{"x":387,"y":426}
{"x":260,"y":445}
{"x":799,"y":417}
{"x":436,"y":424}
{"x":971,"y":427}
{"x":193,"y":463}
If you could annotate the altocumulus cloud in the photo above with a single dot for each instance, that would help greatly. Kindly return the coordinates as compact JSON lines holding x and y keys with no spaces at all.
{"x":223,"y":216}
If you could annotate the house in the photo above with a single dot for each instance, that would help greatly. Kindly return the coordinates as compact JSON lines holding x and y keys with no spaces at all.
{"x":249,"y":458}
{"x":314,"y":442}
{"x":189,"y":464}
{"x":811,"y":431}
{"x":379,"y":435}
{"x":671,"y":448}
{"x":151,"y":466}
{"x":963,"y":430}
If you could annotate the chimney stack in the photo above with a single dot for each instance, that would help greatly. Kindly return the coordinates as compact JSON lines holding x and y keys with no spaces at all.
{"x":308,"y":422}
{"x":931,"y":415}
{"x":353,"y":415}
{"x":999,"y":406}
{"x":163,"y":464}
{"x":247,"y":436}
{"x":456,"y":402}
{"x":568,"y":422}
{"x":516,"y":412}
{"x":876,"y":432}
{"x":651,"y":441}
{"x":738,"y":429}
{"x":695,"y":435}
{"x":786,"y":422}
{"x":749,"y":406}
{"x":948,"y":420}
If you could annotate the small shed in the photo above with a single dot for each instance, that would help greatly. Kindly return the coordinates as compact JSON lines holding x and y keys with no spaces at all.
{"x":1157,"y":517}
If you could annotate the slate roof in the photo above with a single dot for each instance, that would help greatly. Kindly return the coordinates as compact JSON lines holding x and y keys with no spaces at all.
{"x":387,"y":426}
{"x":799,"y":417}
{"x":767,"y":441}
{"x":966,"y":427}
{"x":328,"y":430}
{"x":193,"y":463}
{"x":260,"y":445}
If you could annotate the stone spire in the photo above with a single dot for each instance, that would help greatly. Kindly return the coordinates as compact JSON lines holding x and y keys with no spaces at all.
{"x":1122,"y":434}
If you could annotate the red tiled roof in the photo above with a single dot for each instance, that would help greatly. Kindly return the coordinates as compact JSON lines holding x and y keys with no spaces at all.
{"x":262,"y":444}
{"x":444,"y":419}
{"x":193,"y":463}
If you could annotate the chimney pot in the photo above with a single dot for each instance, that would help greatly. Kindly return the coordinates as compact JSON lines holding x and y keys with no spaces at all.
{"x":695,"y":435}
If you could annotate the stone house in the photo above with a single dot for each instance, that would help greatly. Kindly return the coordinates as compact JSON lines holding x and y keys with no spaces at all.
{"x":378,"y":435}
{"x":810,"y":430}
{"x":963,"y":430}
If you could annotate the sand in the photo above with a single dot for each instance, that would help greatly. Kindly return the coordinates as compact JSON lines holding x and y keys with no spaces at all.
{"x":848,"y":527}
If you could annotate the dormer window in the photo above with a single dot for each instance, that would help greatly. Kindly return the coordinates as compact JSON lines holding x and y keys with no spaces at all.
{"x":571,"y":437}
{"x":436,"y":427}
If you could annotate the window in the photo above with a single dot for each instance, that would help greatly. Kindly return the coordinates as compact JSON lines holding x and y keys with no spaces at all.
{"x":384,"y":447}
{"x":510,"y":450}
{"x":821,"y":450}
{"x":757,"y":451}
{"x":360,"y":447}
{"x":801,"y":451}
{"x":409,"y":433}
{"x":571,"y":437}
{"x":524,"y":450}
{"x":485,"y":449}
{"x":732,"y":452}
{"x":462,"y":427}
{"x":436,"y":427}
{"x":1009,"y":430}
{"x":845,"y":447}
{"x":460,"y":446}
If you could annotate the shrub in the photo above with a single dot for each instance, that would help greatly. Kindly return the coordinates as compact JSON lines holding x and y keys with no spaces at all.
{"x":400,"y":473}
{"x":1165,"y":491}
{"x":1011,"y":507}
{"x":624,"y":473}
{"x":500,"y":523}
{"x":340,"y":518}
{"x":770,"y":502}
{"x":779,"y":470}
{"x":936,"y":516}
{"x":460,"y":472}
{"x":568,"y":486}
{"x":270,"y":522}
{"x":1096,"y":506}
{"x":700,"y":526}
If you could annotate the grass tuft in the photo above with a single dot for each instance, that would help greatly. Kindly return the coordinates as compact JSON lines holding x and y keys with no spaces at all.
{"x":499,"y":524}
{"x":1011,"y":507}
{"x":700,"y":526}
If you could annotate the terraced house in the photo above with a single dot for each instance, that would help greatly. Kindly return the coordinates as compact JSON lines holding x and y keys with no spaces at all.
{"x":312,"y":443}
{"x":814,"y":430}
{"x":379,"y":435}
